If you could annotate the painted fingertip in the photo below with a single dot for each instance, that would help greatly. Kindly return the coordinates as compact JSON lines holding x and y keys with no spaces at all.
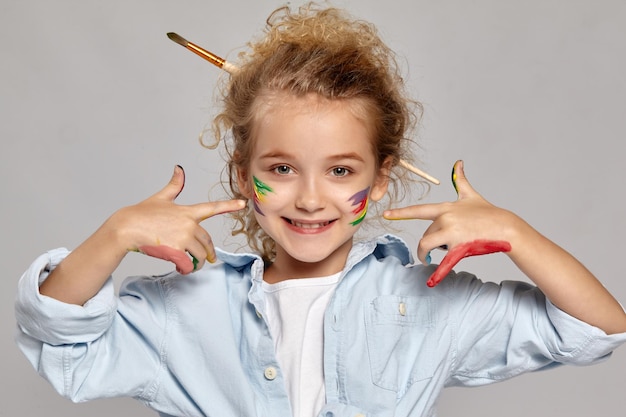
{"x":428,"y":259}
{"x":211,"y":258}
{"x":195,"y":262}
{"x":454,"y":177}
{"x":182,"y":170}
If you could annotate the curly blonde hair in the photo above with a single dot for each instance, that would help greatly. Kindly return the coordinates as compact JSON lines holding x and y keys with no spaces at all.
{"x":322,"y":51}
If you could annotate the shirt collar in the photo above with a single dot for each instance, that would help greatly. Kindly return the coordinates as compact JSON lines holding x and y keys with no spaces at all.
{"x":381,"y":247}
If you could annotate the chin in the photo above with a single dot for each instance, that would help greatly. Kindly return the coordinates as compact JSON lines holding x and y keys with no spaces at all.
{"x":310,"y":258}
{"x":319,"y":253}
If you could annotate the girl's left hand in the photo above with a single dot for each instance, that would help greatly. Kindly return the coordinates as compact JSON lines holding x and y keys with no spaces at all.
{"x":468,"y":226}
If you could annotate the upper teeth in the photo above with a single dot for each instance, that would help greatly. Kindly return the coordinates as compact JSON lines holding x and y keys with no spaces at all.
{"x":309,"y":225}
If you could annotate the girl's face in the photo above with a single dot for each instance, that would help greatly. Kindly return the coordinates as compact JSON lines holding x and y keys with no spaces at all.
{"x":312,"y":174}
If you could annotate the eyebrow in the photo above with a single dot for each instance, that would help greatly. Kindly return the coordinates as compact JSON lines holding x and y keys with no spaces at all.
{"x":283,"y":155}
{"x":349,"y":155}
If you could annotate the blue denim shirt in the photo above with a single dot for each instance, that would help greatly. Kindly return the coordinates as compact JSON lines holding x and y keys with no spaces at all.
{"x":198,"y":345}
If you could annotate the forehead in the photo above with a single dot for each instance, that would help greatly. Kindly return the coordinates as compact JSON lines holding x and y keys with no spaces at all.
{"x":281,"y":109}
{"x":282,"y":119}
{"x":275,"y":101}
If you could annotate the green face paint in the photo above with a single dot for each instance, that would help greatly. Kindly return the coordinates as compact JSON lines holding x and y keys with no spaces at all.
{"x":260,"y":191}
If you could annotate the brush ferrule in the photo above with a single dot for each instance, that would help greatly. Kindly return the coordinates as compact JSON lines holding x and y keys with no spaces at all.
{"x":213,"y":59}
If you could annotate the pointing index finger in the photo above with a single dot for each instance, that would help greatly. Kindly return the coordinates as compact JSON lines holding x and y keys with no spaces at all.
{"x":210,"y":209}
{"x":418,"y":212}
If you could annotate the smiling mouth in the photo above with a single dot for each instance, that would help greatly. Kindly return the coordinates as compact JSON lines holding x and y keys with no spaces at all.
{"x":308,"y":225}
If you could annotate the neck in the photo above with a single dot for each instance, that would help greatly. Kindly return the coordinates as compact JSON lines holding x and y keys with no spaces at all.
{"x":287,"y":267}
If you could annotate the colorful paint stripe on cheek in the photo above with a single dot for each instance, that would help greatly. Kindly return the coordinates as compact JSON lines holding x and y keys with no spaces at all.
{"x":260,"y":192}
{"x":360,"y":200}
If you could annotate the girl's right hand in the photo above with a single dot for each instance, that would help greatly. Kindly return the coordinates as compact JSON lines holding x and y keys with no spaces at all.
{"x":160,"y":228}
{"x":157,"y":227}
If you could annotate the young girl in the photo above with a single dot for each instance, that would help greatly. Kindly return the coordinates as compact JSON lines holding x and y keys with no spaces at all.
{"x":315,"y":324}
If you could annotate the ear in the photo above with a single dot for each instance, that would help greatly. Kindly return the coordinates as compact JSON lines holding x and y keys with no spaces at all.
{"x":381,"y":182}
{"x":243,"y":183}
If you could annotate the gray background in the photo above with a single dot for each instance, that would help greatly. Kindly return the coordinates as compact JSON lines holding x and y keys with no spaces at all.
{"x":97,"y":106}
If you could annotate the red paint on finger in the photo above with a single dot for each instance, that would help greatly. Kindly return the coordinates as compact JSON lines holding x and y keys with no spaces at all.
{"x":474,"y":248}
{"x":184,"y":265}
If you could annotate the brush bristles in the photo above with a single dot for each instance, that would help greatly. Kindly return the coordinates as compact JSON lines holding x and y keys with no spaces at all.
{"x":178,"y":39}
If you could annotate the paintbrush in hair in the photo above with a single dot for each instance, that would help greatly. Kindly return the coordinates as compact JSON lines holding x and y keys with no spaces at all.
{"x":209,"y":56}
{"x":231,"y":69}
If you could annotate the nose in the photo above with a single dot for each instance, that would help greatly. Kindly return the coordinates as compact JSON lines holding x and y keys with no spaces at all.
{"x":310,"y":197}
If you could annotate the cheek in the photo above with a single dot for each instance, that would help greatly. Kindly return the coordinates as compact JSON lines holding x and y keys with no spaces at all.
{"x":261,"y":193}
{"x":358,"y":205}
{"x":268,"y":197}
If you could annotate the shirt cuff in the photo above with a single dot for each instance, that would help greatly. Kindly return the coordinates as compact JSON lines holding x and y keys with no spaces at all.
{"x":589,"y":344}
{"x":54,"y":322}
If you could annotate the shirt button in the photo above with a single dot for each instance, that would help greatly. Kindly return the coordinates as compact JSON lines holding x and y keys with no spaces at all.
{"x":270,"y":373}
{"x":402,"y":309}
{"x":259,"y":315}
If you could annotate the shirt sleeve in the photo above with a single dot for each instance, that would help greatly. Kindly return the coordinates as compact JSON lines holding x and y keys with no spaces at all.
{"x":503,"y":330}
{"x":95,"y":350}
{"x":54,"y":322}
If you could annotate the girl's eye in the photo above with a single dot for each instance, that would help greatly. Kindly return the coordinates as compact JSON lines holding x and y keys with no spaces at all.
{"x":340,"y":171}
{"x":282,"y":170}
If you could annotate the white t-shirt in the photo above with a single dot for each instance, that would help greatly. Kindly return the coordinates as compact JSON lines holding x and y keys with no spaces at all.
{"x":295,"y":316}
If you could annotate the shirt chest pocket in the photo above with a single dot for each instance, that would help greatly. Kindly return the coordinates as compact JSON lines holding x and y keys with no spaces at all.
{"x":401,"y":341}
